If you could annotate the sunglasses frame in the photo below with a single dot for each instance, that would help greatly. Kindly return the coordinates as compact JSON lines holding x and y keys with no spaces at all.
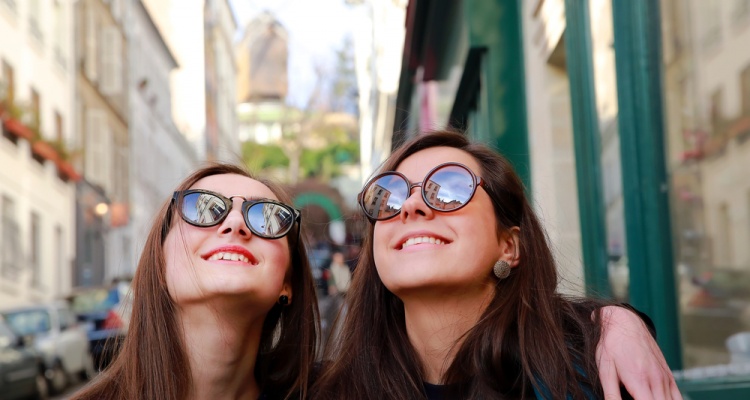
{"x":229,"y":203}
{"x":478,"y":181}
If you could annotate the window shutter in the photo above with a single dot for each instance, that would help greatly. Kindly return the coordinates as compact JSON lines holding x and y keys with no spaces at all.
{"x":91,"y":34}
{"x":97,"y":144}
{"x":112,"y":62}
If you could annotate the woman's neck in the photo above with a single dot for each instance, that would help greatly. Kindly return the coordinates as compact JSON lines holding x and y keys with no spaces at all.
{"x":222,"y":349}
{"x":437,"y":324}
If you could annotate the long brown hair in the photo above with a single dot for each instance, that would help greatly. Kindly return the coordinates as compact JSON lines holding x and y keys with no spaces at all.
{"x":153,"y":364}
{"x":529,"y":337}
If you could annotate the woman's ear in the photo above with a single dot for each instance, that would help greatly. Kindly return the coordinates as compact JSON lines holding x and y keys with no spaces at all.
{"x":286,"y":292}
{"x":510,"y":247}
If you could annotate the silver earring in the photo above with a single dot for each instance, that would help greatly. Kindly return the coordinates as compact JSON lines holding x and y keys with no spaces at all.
{"x":501,"y":269}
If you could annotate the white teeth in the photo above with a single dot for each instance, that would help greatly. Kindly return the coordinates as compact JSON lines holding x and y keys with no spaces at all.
{"x":229,"y":257}
{"x":420,"y":239}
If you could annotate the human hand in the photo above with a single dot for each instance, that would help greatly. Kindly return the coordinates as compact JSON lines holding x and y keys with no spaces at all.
{"x":627,"y":354}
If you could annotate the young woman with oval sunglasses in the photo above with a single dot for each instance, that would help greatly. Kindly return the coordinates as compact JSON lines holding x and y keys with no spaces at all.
{"x":455,"y":297}
{"x":224,"y":305}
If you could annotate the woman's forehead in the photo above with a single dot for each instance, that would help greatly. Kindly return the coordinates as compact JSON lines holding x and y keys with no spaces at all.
{"x":421,"y":162}
{"x":235,"y":185}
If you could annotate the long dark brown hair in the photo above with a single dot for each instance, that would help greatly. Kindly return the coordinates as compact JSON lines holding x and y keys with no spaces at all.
{"x":153,"y":363}
{"x":529,"y":337}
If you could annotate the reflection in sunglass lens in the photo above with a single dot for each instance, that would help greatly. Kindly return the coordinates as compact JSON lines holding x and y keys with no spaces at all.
{"x":448,"y":188}
{"x":269,"y":219}
{"x":384,"y":197}
{"x":203,"y":208}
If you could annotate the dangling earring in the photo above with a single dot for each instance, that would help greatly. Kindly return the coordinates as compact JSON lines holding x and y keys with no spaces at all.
{"x":501,"y":269}
{"x":284,"y":300}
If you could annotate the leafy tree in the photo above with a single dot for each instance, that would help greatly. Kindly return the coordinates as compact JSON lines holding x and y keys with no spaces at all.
{"x":259,"y":157}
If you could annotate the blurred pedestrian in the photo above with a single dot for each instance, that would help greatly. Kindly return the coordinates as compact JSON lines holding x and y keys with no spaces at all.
{"x":455,"y":295}
{"x":224,"y":302}
{"x":340,"y":275}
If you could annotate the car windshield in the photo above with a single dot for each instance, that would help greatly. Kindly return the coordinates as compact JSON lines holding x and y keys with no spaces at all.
{"x":28,"y":322}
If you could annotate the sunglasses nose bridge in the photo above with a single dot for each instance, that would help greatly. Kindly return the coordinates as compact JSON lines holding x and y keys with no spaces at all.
{"x":412,"y":186}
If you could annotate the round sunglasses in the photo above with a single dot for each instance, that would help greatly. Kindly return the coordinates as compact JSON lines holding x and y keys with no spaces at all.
{"x":447,"y":187}
{"x":268,"y":219}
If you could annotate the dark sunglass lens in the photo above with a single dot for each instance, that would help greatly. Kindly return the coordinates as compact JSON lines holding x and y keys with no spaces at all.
{"x":449,"y":187}
{"x":269,"y":219}
{"x":384,"y":197}
{"x":203,"y":208}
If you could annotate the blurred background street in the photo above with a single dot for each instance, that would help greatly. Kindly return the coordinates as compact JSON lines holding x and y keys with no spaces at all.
{"x":628,"y":121}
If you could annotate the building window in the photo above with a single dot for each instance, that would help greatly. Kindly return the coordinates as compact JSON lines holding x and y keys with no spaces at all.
{"x":98,"y":139}
{"x":741,"y":11}
{"x":91,"y":34}
{"x":10,"y":256}
{"x":59,"y":128}
{"x":34,"y":23}
{"x":11,"y":4}
{"x":716,"y":116}
{"x":36,"y":111}
{"x":112,"y":61}
{"x":725,"y":246}
{"x":7,"y":85}
{"x":7,"y":98}
{"x":745,"y":89}
{"x":712,"y":24}
{"x":59,"y":256}
{"x":59,"y":34}
{"x":35,"y":251}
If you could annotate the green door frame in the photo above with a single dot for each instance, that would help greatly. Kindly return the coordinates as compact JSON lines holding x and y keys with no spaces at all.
{"x":637,"y":34}
{"x":579,"y":66}
{"x":318,"y":199}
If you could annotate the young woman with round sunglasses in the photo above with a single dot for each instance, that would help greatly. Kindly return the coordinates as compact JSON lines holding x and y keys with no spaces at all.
{"x":455,"y":297}
{"x":224,"y":303}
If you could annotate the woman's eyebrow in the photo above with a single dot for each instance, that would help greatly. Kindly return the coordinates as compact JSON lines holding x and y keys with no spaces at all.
{"x":256,"y":198}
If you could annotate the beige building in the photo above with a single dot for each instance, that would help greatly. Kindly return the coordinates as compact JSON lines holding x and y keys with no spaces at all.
{"x":102,"y":127}
{"x":378,"y":45}
{"x":222,"y":142}
{"x":37,"y":181}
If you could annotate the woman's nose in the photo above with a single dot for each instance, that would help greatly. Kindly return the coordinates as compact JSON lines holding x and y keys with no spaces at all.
{"x":414,"y":205}
{"x":235,"y":222}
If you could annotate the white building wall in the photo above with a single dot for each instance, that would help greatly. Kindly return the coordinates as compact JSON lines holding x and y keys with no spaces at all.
{"x":181,"y":24}
{"x":551,"y":140}
{"x":228,"y":148}
{"x":41,"y":58}
{"x":379,"y":43}
{"x":160,"y":154}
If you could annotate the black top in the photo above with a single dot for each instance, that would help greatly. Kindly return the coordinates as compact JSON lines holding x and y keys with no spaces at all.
{"x":442,"y":392}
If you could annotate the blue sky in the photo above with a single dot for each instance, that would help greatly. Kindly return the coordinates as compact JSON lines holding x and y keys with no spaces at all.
{"x":316,"y":29}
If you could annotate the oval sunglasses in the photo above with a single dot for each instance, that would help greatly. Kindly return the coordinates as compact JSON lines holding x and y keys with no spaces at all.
{"x":265,"y":218}
{"x":447,"y":187}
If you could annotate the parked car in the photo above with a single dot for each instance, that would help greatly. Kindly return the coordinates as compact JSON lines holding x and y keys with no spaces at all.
{"x":21,"y":369}
{"x":105,"y":312}
{"x":58,"y":338}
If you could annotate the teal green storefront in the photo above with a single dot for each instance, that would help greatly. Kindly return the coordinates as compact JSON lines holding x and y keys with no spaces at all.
{"x":488,"y":100}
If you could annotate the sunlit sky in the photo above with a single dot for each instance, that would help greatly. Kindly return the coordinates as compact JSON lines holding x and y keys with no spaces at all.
{"x":316,"y":30}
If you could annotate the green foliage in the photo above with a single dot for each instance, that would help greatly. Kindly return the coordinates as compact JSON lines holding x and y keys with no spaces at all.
{"x":326,"y":162}
{"x":259,"y":157}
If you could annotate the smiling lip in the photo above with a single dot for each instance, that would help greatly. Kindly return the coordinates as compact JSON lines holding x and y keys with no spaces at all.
{"x":419,"y":234}
{"x":233,"y":250}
